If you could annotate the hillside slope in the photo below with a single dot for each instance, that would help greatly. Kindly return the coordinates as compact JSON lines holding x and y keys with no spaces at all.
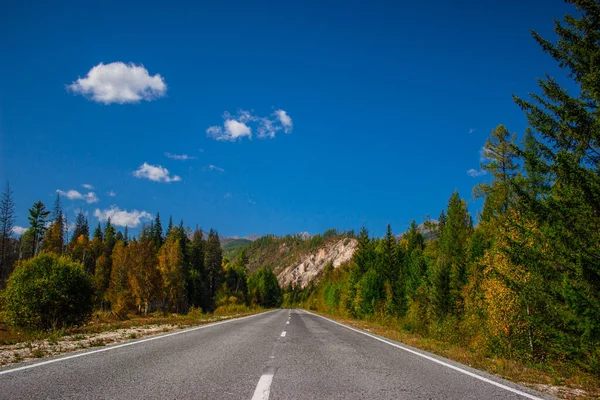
{"x":297,"y":260}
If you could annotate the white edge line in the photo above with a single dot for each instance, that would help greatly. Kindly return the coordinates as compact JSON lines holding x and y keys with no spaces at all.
{"x":263,"y":387}
{"x":471,"y":374}
{"x":87,"y":353}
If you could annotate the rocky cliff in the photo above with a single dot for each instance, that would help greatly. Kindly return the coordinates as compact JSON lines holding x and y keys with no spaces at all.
{"x":299,"y":259}
{"x":312,"y":265}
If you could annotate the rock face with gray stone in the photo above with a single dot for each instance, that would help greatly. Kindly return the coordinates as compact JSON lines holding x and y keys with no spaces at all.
{"x":312,"y":265}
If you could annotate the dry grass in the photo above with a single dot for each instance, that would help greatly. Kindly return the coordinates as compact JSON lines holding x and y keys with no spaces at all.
{"x":561,"y":381}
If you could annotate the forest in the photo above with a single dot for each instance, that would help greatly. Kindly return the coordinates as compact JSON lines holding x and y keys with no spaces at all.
{"x":520,"y":279}
{"x":523,"y":281}
{"x":59,"y":274}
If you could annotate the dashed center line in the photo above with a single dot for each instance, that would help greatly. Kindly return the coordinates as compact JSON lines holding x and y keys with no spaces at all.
{"x":283,"y":334}
{"x":264,"y":385}
{"x":287,"y":323}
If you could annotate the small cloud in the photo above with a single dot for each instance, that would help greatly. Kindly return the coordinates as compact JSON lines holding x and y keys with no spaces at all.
{"x":201,"y":150}
{"x":91,"y":198}
{"x":243,"y":123}
{"x":75,"y":195}
{"x":155,"y":173}
{"x":120,"y":83}
{"x":251,"y":202}
{"x":18,"y":230}
{"x":227,"y":195}
{"x":70,"y":194}
{"x":232,"y":131}
{"x":473,"y":173}
{"x":110,"y":193}
{"x":182,"y":157}
{"x":88,"y":186}
{"x":472,"y":130}
{"x":120,"y":217}
{"x":215,"y":168}
{"x":285,"y":120}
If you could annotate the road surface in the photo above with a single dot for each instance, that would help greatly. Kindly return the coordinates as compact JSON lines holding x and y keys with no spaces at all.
{"x":282,"y":354}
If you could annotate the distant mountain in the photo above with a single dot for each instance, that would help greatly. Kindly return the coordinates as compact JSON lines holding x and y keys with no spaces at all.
{"x":427,"y":232}
{"x":252,"y":237}
{"x":227,"y":239}
{"x":232,"y":247}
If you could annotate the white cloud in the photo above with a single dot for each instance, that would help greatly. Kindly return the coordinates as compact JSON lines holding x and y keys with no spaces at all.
{"x":182,"y":157}
{"x":120,"y":217}
{"x":70,"y":194}
{"x":473,"y":173}
{"x":231,"y":131}
{"x":118,"y":82}
{"x":240,"y":125}
{"x":19,"y":230}
{"x":75,"y":195}
{"x":110,"y":193}
{"x":88,"y":186}
{"x":251,"y":202}
{"x":215,"y":168}
{"x":285,"y":120}
{"x":91,"y":198}
{"x":155,"y":173}
{"x":227,"y":195}
{"x":472,"y":130}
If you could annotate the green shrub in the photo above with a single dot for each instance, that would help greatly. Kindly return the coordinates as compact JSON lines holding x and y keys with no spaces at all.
{"x":48,"y":292}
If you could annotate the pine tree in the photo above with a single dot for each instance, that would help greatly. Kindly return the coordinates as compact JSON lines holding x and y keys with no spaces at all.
{"x":365,"y":254}
{"x":197,"y":294}
{"x":98,"y":232}
{"x":110,"y":237}
{"x":81,"y":227}
{"x":158,"y":232}
{"x":501,"y":162}
{"x":170,"y":227}
{"x":37,"y":220}
{"x":7,"y":222}
{"x":566,"y":134}
{"x":213,"y":258}
{"x":450,"y":272}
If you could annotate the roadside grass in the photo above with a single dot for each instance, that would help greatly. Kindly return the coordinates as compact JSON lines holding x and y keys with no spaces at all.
{"x":18,"y":345}
{"x":563,"y":380}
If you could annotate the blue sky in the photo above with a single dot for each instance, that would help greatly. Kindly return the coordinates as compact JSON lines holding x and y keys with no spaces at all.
{"x":327,"y":115}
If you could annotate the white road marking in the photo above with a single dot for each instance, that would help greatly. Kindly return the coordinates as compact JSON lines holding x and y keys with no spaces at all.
{"x":471,"y":374}
{"x":283,"y":334}
{"x":263,"y":387}
{"x":55,"y":360}
{"x":287,"y":323}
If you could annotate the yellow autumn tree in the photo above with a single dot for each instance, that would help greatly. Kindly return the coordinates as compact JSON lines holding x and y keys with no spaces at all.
{"x":170,"y":265}
{"x":119,"y":295}
{"x":144,"y":277}
{"x":510,"y":285}
{"x":79,"y":248}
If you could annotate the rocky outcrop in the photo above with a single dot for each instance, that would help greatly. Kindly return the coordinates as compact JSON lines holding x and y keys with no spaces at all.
{"x":311,"y":266}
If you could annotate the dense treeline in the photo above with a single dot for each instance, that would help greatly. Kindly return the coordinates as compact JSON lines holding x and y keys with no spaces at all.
{"x":173,"y":270}
{"x":525,"y":281}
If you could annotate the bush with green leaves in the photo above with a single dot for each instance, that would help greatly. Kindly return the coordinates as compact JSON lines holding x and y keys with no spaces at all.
{"x":48,"y":292}
{"x":263,"y":288}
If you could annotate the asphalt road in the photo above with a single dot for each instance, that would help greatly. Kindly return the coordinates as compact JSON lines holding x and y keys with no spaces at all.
{"x":283,"y":354}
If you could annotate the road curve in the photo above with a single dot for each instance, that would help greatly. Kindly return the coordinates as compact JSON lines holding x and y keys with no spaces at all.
{"x":282,"y":354}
